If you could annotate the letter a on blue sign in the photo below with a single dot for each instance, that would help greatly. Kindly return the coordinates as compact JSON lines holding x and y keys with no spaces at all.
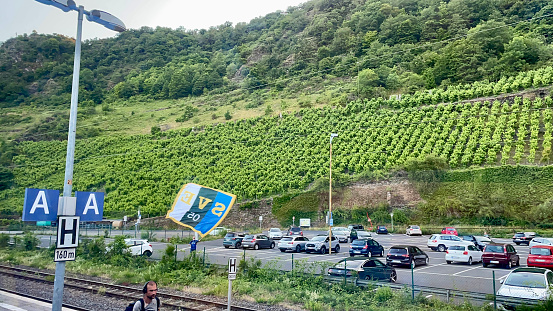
{"x":90,"y":205}
{"x":200,"y":208}
{"x":40,"y":205}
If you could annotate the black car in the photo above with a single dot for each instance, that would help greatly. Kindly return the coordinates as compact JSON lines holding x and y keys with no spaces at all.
{"x":381,"y":230}
{"x":355,"y":227}
{"x":366,"y":247}
{"x":233,"y":239}
{"x":367,"y":269}
{"x":295,"y":231}
{"x":406,"y":255}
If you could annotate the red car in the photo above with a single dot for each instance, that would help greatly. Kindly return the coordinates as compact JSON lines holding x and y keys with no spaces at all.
{"x":449,"y":230}
{"x":541,"y":256}
{"x":500,"y":255}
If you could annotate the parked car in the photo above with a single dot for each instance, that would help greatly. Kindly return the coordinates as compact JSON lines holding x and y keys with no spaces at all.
{"x":528,"y":283}
{"x":292,"y":243}
{"x":139,"y":247}
{"x":381,"y":230}
{"x":441,"y":242}
{"x":275,"y":233}
{"x":367,"y":269}
{"x":463,"y":253}
{"x":478,"y":241}
{"x":355,"y":227}
{"x":233,"y":239}
{"x":366,"y":247}
{"x":406,"y":255}
{"x":257,"y":241}
{"x":540,"y":241}
{"x":218,"y":230}
{"x":359,"y":234}
{"x":449,"y":230}
{"x":320,"y":244}
{"x":523,"y":237}
{"x":500,"y":254}
{"x":295,"y":231}
{"x":413,"y":230}
{"x":341,"y":233}
{"x":540,"y":256}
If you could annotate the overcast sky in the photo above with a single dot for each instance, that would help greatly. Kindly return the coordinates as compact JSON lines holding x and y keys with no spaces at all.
{"x":23,"y":16}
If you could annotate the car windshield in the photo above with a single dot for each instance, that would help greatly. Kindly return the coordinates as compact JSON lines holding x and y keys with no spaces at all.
{"x":318,"y":238}
{"x":275,"y":230}
{"x":494,"y":249}
{"x":287,"y":239}
{"x":525,"y":279}
{"x":456,"y":248}
{"x":350,"y":264}
{"x":249,"y":237}
{"x":358,"y":242}
{"x":230,"y":235}
{"x":397,"y":251}
{"x":540,"y":251}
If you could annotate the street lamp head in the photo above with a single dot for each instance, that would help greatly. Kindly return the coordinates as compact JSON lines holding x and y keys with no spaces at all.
{"x":64,"y":5}
{"x":107,"y":20}
{"x":332,"y":135}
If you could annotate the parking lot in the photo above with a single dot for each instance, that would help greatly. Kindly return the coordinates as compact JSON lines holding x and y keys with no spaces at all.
{"x":437,"y":274}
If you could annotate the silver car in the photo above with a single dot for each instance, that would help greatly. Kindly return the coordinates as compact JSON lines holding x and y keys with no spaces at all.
{"x":292,"y":243}
{"x":275,"y":234}
{"x":341,"y":233}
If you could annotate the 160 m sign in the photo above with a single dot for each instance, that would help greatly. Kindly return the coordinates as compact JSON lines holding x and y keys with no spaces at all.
{"x":64,"y":254}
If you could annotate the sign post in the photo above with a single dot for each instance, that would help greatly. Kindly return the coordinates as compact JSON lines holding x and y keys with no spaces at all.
{"x":231,"y":276}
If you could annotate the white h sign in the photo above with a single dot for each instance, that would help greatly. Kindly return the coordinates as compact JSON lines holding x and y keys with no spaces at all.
{"x":68,"y":231}
{"x":232,"y":266}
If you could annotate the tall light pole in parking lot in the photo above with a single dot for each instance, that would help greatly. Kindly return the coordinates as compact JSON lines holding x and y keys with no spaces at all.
{"x":113,"y":23}
{"x":330,"y":220}
{"x":392,"y":216}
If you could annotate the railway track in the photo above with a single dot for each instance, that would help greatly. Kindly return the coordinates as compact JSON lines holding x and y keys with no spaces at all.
{"x":125,"y":293}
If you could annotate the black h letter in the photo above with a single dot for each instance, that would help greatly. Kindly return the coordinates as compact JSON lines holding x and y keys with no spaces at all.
{"x":64,"y":231}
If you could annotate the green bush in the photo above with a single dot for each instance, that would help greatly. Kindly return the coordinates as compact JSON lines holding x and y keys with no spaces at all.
{"x":30,"y":241}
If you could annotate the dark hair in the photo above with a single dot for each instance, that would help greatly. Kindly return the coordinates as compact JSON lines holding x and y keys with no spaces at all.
{"x":145,"y":288}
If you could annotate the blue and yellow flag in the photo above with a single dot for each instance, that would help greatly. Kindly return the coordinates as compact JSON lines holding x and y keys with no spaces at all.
{"x":200,"y":208}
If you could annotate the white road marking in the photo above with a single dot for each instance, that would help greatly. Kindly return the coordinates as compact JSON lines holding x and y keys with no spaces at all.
{"x":467,"y":270}
{"x":10,"y":307}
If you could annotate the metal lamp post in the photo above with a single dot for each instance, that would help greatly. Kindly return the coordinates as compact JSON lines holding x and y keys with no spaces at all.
{"x":330,"y":221}
{"x":111,"y":22}
{"x":392,"y":216}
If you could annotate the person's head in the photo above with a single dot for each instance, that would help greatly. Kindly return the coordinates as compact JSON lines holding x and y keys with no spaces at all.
{"x":150,"y":290}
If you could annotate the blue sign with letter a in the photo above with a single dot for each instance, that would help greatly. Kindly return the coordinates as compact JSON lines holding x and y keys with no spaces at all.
{"x":40,"y":205}
{"x":90,"y":205}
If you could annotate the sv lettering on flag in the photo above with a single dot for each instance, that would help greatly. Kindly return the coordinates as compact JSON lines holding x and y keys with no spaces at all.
{"x":200,"y":208}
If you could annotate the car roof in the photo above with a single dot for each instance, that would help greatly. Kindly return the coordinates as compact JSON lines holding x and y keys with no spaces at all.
{"x":402,"y":246}
{"x":542,"y":246}
{"x":531,"y":270}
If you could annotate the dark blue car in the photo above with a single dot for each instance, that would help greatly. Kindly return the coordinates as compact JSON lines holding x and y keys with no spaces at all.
{"x":366,"y":247}
{"x":381,"y":230}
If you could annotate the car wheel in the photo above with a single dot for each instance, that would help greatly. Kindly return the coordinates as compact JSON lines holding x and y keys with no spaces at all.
{"x":367,"y":277}
{"x":272,"y":245}
{"x":238,"y":245}
{"x":509,"y":265}
{"x":441,"y":248}
{"x":351,"y":255}
{"x":427,"y":261}
{"x":484,"y":264}
{"x":226,"y":246}
{"x":448,"y":262}
{"x":148,"y":253}
{"x":470,"y":261}
{"x":393,"y":277}
{"x":369,"y":254}
{"x":517,"y":243}
{"x":518,"y":262}
{"x":282,"y":250}
{"x":323,"y":250}
{"x":413,"y":264}
{"x":256,"y":246}
{"x":298,"y":248}
{"x":337,"y":249}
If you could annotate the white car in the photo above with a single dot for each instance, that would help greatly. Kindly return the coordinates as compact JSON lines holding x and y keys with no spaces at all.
{"x":463,"y":253}
{"x":528,"y":283}
{"x":139,"y":247}
{"x":441,"y":242}
{"x":275,"y":234}
{"x":292,"y":243}
{"x":413,"y":230}
{"x":341,"y":233}
{"x":342,"y":229}
{"x":541,"y":241}
{"x":218,"y":231}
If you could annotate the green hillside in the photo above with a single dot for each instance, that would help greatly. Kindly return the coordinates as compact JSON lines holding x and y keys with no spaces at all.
{"x":249,"y":108}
